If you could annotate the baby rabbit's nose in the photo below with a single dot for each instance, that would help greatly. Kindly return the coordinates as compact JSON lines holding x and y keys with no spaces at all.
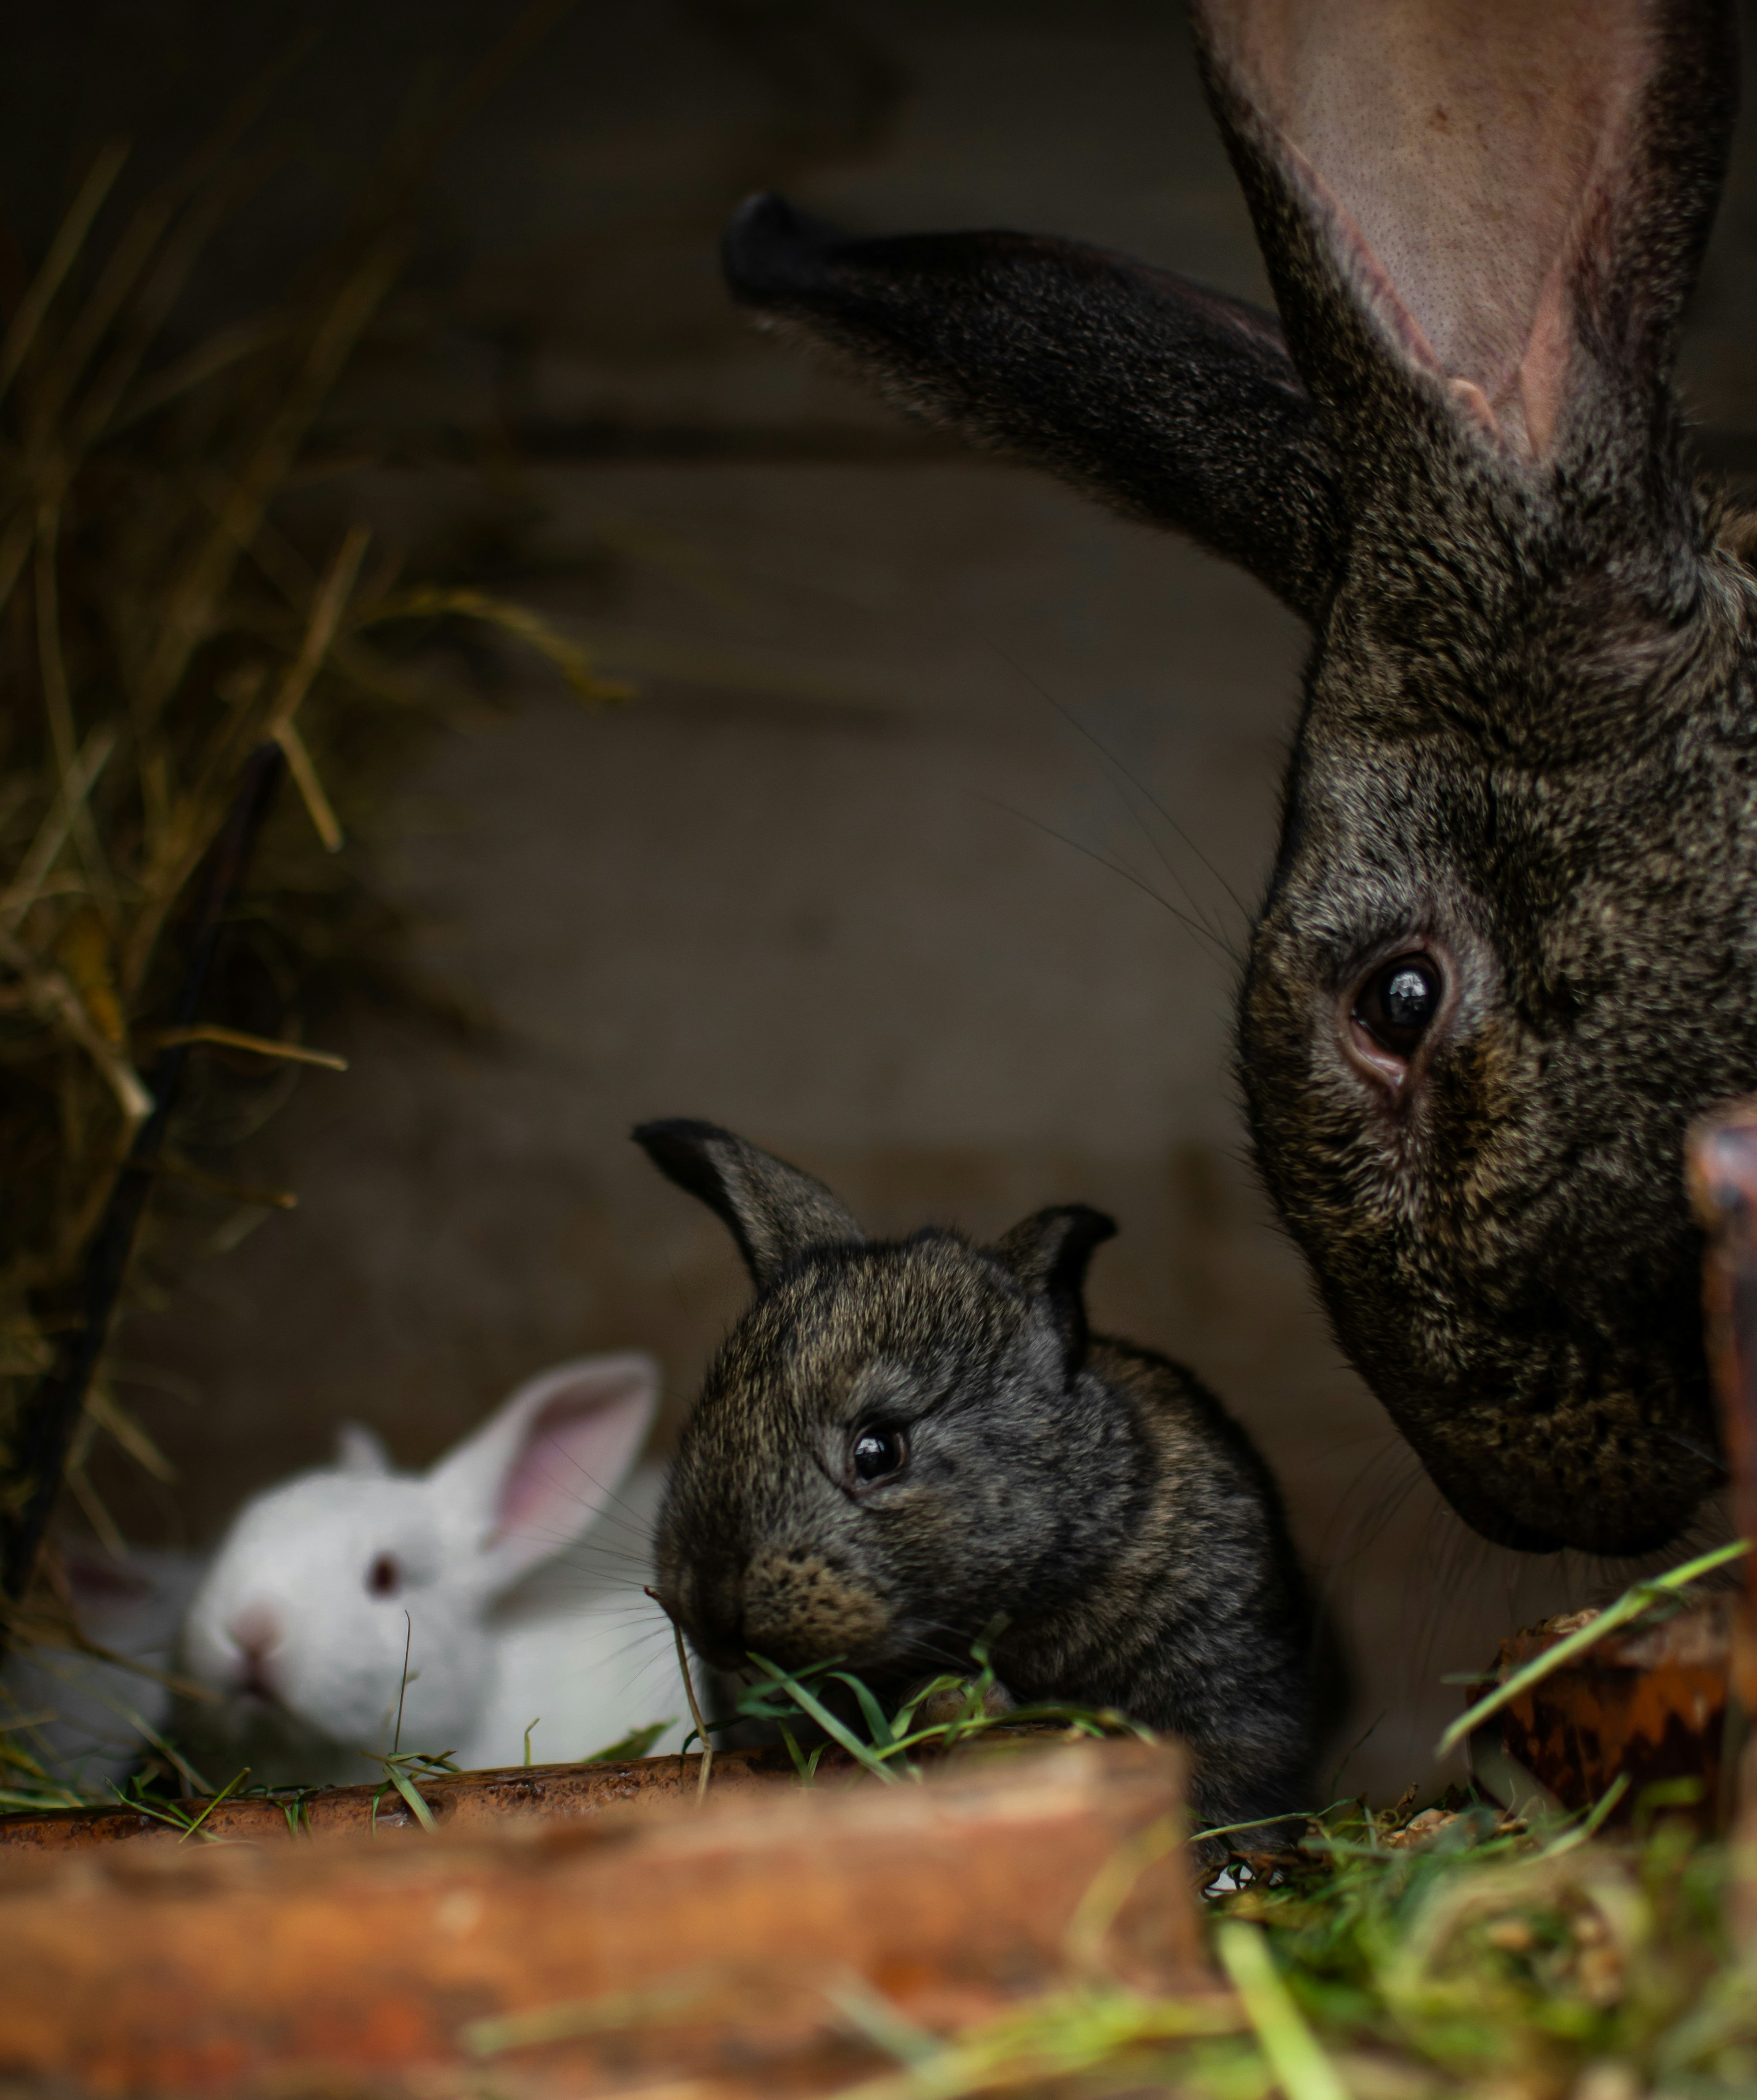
{"x":798,"y":1607}
{"x":257,"y":1633}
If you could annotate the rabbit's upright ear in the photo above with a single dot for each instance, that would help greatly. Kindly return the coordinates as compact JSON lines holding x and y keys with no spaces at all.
{"x":1049,"y":1252}
{"x":361,"y":1450}
{"x":777,"y":1214}
{"x":541,"y":1470}
{"x":1496,"y":208}
{"x":1175,"y":403}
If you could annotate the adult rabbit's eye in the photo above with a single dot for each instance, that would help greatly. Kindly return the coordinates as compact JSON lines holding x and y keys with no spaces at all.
{"x":1398,"y":1003}
{"x":878,"y":1453}
{"x":384,"y":1578}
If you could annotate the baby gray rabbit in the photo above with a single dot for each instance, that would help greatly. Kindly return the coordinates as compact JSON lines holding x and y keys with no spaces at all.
{"x":903,"y":1441}
{"x":1508,"y":946}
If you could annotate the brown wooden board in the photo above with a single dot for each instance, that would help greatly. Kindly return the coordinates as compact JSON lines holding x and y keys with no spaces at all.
{"x":461,"y":1800}
{"x":457,"y":1801}
{"x":664,"y":1942}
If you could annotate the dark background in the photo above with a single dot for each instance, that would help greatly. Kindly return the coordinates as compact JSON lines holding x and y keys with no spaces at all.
{"x":836,"y":877}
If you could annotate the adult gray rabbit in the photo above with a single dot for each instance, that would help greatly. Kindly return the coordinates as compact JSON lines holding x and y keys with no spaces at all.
{"x":1509,"y":948}
{"x":902,"y":1442}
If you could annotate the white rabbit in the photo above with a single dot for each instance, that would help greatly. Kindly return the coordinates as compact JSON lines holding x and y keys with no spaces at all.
{"x":474,"y":1569}
{"x":86,"y":1722}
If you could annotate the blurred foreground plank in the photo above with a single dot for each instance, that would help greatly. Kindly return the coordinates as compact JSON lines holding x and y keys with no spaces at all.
{"x":721,"y":1947}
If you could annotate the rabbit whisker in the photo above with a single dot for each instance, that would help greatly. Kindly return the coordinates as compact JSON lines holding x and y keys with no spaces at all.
{"x":1121,"y":771}
{"x":1118,"y":868}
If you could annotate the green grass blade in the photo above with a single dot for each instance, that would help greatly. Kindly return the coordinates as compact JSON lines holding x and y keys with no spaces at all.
{"x":838,"y":1731}
{"x":1264,"y":1822}
{"x":636,"y":1744}
{"x":1630,"y":1605}
{"x":406,"y":1787}
{"x":1594,"y":1823}
{"x":872,"y":2014}
{"x":904,"y":1719}
{"x":1295,"y":2054}
{"x":231,"y":1787}
{"x":161,"y":1811}
{"x":871,"y":1711}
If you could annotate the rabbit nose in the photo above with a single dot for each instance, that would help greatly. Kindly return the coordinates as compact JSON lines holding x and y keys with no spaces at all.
{"x":258,"y":1633}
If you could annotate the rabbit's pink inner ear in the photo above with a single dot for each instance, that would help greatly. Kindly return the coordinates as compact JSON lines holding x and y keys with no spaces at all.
{"x":1463,"y":156}
{"x":572,"y":1458}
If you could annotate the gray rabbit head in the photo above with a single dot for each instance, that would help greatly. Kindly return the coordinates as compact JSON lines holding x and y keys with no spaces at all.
{"x":1509,"y":948}
{"x":887,"y":1452}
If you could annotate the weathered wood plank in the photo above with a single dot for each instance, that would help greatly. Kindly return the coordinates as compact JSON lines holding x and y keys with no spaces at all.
{"x":708,"y":1943}
{"x":463,"y":1801}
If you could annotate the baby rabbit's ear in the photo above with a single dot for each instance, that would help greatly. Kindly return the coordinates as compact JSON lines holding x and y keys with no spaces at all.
{"x":1497,"y":209}
{"x":541,"y":1470}
{"x":1049,"y":1253}
{"x":776,"y":1213}
{"x":359,"y":1449}
{"x":1174,"y":403}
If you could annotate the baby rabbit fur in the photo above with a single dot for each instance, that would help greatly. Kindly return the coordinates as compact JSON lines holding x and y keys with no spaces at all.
{"x":901,"y":1443}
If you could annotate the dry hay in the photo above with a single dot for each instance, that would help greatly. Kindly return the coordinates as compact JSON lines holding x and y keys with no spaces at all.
{"x":160,"y":619}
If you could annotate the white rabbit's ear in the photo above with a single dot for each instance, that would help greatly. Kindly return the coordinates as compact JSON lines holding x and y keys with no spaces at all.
{"x":359,"y":1449}
{"x":540,"y":1471}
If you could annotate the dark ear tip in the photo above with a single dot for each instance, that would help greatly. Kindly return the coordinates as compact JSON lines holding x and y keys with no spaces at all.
{"x":770,"y":251}
{"x":675,"y":1138}
{"x":1051,"y":1247}
{"x":1087,"y":1228}
{"x":670,"y":1126}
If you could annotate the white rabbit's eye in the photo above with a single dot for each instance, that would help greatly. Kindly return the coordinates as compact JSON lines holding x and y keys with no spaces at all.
{"x":878,"y":1453}
{"x":384,"y":1578}
{"x":1397,"y":1004}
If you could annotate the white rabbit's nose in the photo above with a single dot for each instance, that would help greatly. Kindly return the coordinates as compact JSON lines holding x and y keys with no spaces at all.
{"x":257,"y":1633}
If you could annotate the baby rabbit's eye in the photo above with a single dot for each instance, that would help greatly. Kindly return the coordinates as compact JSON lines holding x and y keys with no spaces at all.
{"x":384,"y":1578}
{"x":878,"y":1453}
{"x":1397,"y":1004}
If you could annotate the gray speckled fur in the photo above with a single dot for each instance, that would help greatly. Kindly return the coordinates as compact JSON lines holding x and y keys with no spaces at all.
{"x":1528,"y":735}
{"x":1094,"y":1494}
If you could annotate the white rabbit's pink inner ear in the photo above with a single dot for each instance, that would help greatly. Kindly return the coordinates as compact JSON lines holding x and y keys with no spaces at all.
{"x":544,"y":1469}
{"x":1462,"y":157}
{"x":569,"y":1467}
